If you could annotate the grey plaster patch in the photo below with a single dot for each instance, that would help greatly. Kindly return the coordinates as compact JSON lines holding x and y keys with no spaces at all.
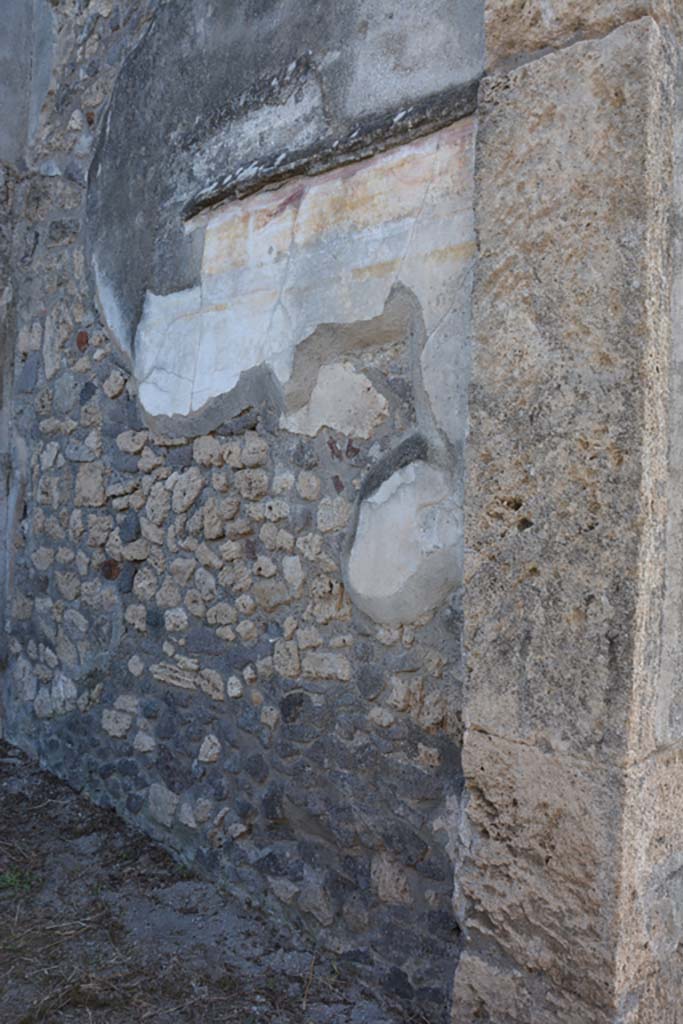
{"x":395,"y":325}
{"x":26,"y":44}
{"x":257,"y":394}
{"x":373,"y":135}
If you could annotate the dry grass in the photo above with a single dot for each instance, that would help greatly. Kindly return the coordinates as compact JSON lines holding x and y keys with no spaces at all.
{"x":82,"y":969}
{"x":68,"y":957}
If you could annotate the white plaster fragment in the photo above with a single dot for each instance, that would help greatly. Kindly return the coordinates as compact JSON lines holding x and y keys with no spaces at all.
{"x":407,"y":552}
{"x":341,"y":399}
{"x":322,"y":250}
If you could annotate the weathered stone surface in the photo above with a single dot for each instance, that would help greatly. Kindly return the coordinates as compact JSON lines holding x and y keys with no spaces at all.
{"x":518,"y":27}
{"x":293,"y":573}
{"x":26,"y":681}
{"x":175,"y":620}
{"x":326,"y":666}
{"x":162,"y":804}
{"x":252,"y":483}
{"x":132,"y":441}
{"x":565,"y":404}
{"x":90,"y":490}
{"x":550,"y":908}
{"x":286,"y":658}
{"x":649,"y":959}
{"x":390,"y":880}
{"x":381,"y":717}
{"x":187,"y":488}
{"x":144,"y":743}
{"x":254,"y":451}
{"x":116,"y":723}
{"x":64,"y":693}
{"x":127,"y":702}
{"x":308,"y":486}
{"x":270,"y":594}
{"x":43,"y":706}
{"x":211,"y":682}
{"x":173,"y":675}
{"x":333,"y":514}
{"x":43,"y":558}
{"x":114,"y":384}
{"x":565,"y":526}
{"x":235,"y":688}
{"x":207,"y":451}
{"x":210,"y":750}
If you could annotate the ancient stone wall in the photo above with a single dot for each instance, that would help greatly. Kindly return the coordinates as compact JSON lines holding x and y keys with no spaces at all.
{"x":241,"y":263}
{"x":330,"y":341}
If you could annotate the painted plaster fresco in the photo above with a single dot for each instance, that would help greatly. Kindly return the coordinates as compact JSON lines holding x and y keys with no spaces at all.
{"x":324,"y":250}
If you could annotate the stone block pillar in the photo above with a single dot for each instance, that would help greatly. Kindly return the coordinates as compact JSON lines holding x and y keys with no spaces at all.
{"x":571,"y":886}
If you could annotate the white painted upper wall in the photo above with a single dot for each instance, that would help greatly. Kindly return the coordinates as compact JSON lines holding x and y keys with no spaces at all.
{"x":321,"y":250}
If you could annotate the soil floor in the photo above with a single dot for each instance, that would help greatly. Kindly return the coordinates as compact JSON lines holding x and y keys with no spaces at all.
{"x":98,"y":925}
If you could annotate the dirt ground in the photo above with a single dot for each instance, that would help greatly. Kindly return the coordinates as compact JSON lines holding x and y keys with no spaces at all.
{"x":98,"y":924}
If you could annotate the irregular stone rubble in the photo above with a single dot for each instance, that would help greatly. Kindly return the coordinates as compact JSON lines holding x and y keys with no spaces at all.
{"x":184,"y":643}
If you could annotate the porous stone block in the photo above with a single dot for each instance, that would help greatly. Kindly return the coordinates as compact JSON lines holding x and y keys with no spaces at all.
{"x":539,"y":880}
{"x":648,"y":964}
{"x":565,"y":511}
{"x":90,"y":490}
{"x":565,"y":526}
{"x":519,"y":27}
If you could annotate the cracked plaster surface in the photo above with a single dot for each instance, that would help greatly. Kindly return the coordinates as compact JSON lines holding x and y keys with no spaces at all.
{"x":322,"y":250}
